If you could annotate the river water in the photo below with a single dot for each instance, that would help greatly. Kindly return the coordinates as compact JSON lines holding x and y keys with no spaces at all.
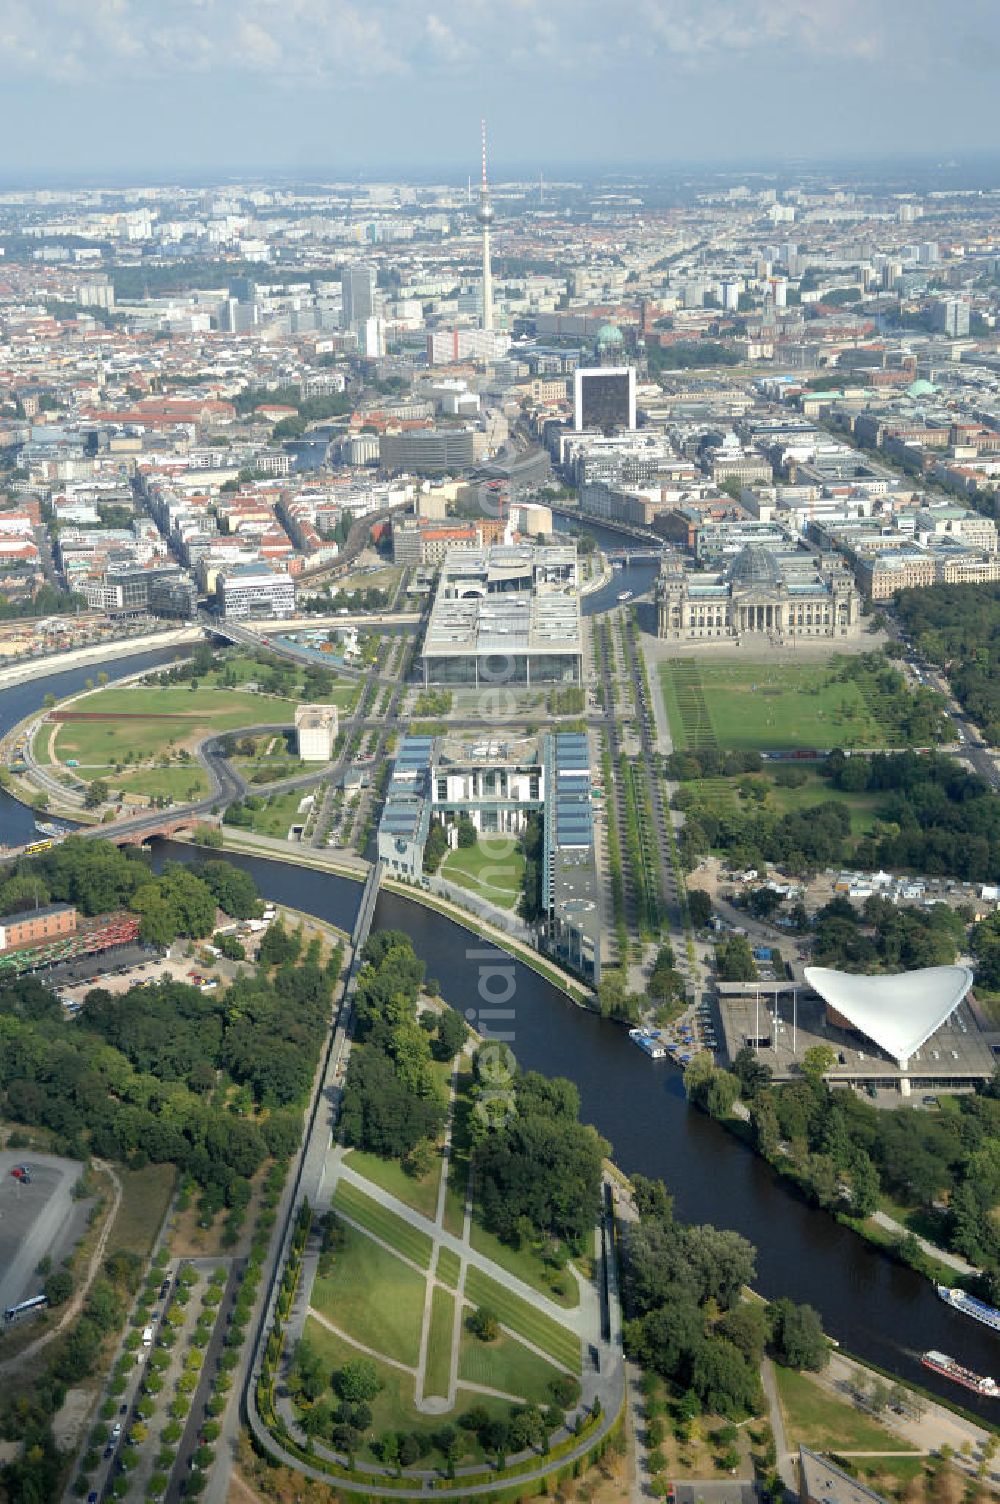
{"x":877,"y":1309}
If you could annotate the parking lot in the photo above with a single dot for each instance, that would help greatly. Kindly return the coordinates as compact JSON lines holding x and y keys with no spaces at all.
{"x":38,"y":1218}
{"x":122,"y":978}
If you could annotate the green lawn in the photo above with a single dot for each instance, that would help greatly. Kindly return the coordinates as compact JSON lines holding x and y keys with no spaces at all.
{"x":508,"y":1365}
{"x":379,"y":1220}
{"x":559,"y":1285}
{"x":146,"y":1195}
{"x":721,"y":796}
{"x":279,"y":814}
{"x":491,"y":868}
{"x":180,"y":783}
{"x":246,"y":670}
{"x":816,"y":1419}
{"x":389,"y":1174}
{"x":535,"y":1326}
{"x":437,"y":1378}
{"x":449,"y":1267}
{"x":763,"y":706}
{"x":374,"y":1297}
{"x":135,"y":721}
{"x":862,"y":808}
{"x":392,"y":1408}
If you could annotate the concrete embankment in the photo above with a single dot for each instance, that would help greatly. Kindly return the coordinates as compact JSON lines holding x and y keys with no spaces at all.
{"x":98,"y":652}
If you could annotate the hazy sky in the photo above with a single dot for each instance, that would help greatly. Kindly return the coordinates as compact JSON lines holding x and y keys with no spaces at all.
{"x":159,"y":86}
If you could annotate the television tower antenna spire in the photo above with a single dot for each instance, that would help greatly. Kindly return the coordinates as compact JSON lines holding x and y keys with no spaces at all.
{"x":485,"y":218}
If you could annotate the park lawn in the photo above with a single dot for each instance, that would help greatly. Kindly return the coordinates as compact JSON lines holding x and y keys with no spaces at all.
{"x":393,"y":1407}
{"x":146,"y":1195}
{"x":194,"y":714}
{"x":862,"y":808}
{"x":449,"y":1267}
{"x":374,"y":1297}
{"x":437,"y":1374}
{"x":527,"y":1265}
{"x":534,"y":1326}
{"x":280,"y":813}
{"x":507,"y":1365}
{"x":179,"y":783}
{"x":721,"y":796}
{"x":816,"y":1419}
{"x":419,"y":1194}
{"x":383,"y":1223}
{"x":763,"y":706}
{"x":493,"y":869}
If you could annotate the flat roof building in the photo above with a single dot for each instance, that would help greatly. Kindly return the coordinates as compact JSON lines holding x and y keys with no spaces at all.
{"x":570,"y":898}
{"x":406,"y":814}
{"x":505,"y":617}
{"x":248,"y":590}
{"x":316,"y":732}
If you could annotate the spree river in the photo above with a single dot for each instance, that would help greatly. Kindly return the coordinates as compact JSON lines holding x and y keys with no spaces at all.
{"x":877,"y":1309}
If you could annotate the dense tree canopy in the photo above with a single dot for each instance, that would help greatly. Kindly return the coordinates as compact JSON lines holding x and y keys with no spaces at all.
{"x":958,"y":627}
{"x":677,"y":1280}
{"x":539,"y":1171}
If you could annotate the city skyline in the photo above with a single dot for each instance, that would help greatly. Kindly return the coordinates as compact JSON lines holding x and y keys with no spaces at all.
{"x":326,"y":84}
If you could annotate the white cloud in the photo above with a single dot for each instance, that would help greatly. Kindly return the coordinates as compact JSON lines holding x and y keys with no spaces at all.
{"x":256,"y":48}
{"x":338,"y":40}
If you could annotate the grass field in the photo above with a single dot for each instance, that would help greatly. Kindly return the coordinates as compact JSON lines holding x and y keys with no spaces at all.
{"x":393,"y":1408}
{"x":145,"y":1197}
{"x":862,"y":808}
{"x":513,"y":1312}
{"x":448,"y":1267}
{"x":148,"y":723}
{"x":721,"y":796}
{"x":559,"y":1285}
{"x":490,"y":868}
{"x":816,"y":1419}
{"x":382,"y":1223}
{"x":508,"y":1365}
{"x":279,"y":814}
{"x":178,"y":782}
{"x":735,"y":705}
{"x":374,"y":1297}
{"x":389,"y":1174}
{"x":437,"y":1376}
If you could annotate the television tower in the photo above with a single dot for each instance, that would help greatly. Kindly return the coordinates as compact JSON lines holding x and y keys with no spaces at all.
{"x":484,"y":214}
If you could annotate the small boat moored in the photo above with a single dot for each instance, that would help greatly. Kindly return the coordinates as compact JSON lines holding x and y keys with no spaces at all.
{"x":650,"y":1041}
{"x":969,"y":1306}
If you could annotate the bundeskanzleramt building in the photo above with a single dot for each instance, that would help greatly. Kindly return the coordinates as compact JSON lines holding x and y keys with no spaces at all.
{"x":761,"y":593}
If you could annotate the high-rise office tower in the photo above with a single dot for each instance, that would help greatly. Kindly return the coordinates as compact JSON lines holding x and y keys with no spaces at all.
{"x":357,"y":286}
{"x":484,"y":214}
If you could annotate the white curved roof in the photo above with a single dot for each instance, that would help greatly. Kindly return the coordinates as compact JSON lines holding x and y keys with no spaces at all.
{"x":900,"y":1013}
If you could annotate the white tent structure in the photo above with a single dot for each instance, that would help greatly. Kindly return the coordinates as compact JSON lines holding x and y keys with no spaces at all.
{"x":898,"y":1013}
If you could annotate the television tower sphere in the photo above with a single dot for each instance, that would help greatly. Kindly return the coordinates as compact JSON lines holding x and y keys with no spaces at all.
{"x":484,"y":213}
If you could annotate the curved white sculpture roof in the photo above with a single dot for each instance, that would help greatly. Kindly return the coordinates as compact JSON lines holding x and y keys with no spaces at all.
{"x":900,"y":1013}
